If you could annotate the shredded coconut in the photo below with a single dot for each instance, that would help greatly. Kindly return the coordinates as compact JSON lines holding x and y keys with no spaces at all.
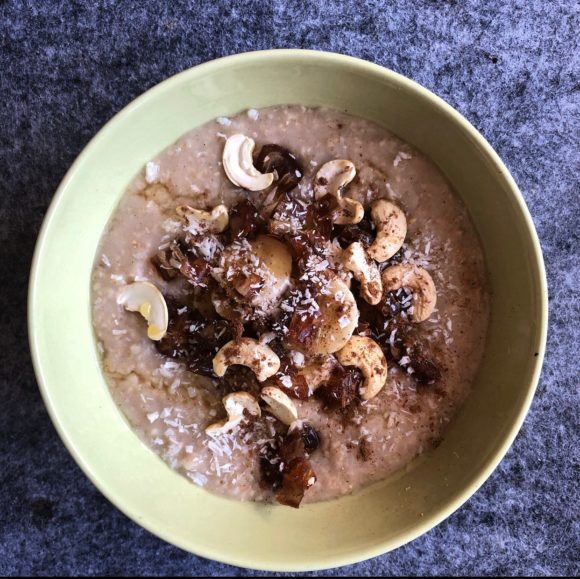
{"x":151,"y":172}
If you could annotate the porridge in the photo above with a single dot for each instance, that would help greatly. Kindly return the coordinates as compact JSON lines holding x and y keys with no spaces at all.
{"x":290,"y":304}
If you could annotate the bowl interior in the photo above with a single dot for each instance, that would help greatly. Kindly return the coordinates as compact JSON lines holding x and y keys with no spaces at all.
{"x":383,"y":516}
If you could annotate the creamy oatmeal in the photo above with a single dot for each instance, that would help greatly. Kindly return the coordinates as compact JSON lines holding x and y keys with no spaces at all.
{"x":290,"y":304}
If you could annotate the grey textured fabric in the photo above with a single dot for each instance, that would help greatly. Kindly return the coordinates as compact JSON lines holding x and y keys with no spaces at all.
{"x":511,"y":67}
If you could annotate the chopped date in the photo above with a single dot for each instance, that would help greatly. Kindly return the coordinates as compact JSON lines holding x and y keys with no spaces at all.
{"x":288,"y":378}
{"x":196,"y":271}
{"x":298,"y":387}
{"x":193,"y":339}
{"x":303,"y":328}
{"x":298,"y":477}
{"x":289,"y":210}
{"x":279,"y":159}
{"x":245,"y":221}
{"x":341,"y":389}
{"x":405,"y":345}
{"x":285,"y":466}
{"x":320,"y":217}
{"x":305,"y":244}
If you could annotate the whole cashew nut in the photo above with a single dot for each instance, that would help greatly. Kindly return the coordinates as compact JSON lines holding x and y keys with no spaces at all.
{"x":261,"y":359}
{"x":239,"y":164}
{"x":368,"y":357}
{"x":419,"y":281}
{"x":280,"y":405}
{"x":236,"y":405}
{"x":199,"y":221}
{"x":145,"y":298}
{"x":338,"y":318}
{"x":331,"y":179}
{"x":365,"y":271}
{"x":391,"y":230}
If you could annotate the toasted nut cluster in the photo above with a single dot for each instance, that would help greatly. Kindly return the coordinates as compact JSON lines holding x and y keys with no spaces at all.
{"x":391,"y":225}
{"x":199,"y":221}
{"x":261,"y":359}
{"x":338,"y":319}
{"x":331,"y":179}
{"x":419,"y":281}
{"x":365,"y":271}
{"x":239,"y":164}
{"x":279,"y":405}
{"x":145,"y":298}
{"x":367,"y":356}
{"x":236,"y":405}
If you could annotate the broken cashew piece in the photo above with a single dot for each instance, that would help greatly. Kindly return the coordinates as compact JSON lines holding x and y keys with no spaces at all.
{"x":365,"y":271}
{"x":367,"y":356}
{"x":419,"y":281}
{"x":236,"y":404}
{"x":145,"y":298}
{"x":280,"y":405}
{"x":259,"y":358}
{"x":391,"y":225}
{"x":199,"y":221}
{"x":239,"y":164}
{"x":331,"y":179}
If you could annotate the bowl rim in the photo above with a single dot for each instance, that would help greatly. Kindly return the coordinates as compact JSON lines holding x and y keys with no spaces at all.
{"x":321,"y":58}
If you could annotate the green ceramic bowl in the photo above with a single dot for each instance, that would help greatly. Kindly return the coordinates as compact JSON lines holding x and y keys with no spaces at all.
{"x":329,"y":534}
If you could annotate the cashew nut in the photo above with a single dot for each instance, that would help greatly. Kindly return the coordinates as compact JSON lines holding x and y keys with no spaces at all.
{"x":368,"y":357}
{"x":280,"y":405}
{"x":419,"y":281}
{"x":276,"y":256}
{"x":248,"y":352}
{"x":239,"y":164}
{"x":365,"y":271}
{"x":391,"y":230}
{"x":338,"y":318}
{"x":331,"y":179}
{"x":236,"y":404}
{"x":145,"y":298}
{"x":199,"y":221}
{"x":317,"y":370}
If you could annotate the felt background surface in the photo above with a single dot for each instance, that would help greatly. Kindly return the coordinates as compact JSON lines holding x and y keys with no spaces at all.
{"x":511,"y":67}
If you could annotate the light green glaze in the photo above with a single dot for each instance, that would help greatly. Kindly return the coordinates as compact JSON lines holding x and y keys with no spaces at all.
{"x":384,"y":516}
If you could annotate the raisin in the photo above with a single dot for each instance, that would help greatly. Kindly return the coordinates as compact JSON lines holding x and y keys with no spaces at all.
{"x":310,"y":438}
{"x":270,"y":467}
{"x":396,"y":303}
{"x":362,"y":232}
